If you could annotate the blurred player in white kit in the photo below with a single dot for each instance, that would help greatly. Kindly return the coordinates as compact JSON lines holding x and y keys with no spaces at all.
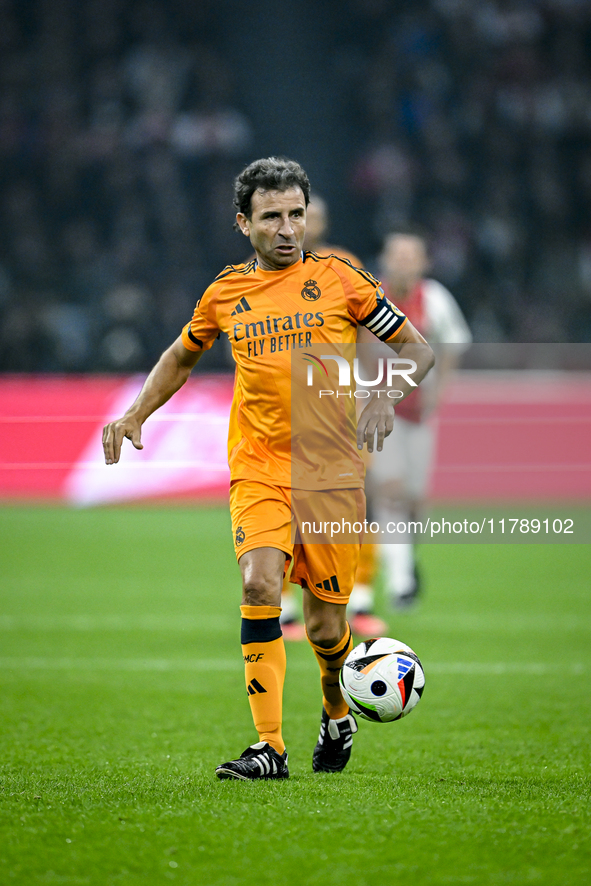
{"x":398,"y":479}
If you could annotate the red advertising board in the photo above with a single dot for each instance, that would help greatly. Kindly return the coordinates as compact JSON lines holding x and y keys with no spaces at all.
{"x":502,"y":436}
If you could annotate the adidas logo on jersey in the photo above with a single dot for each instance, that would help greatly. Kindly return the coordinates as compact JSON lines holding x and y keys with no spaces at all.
{"x":241,"y":307}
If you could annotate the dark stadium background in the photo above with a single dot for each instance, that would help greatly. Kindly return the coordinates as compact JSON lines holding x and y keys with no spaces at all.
{"x":122,"y":124}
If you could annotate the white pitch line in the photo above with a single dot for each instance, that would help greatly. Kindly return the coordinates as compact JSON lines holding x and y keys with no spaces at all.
{"x":118,"y":664}
{"x":489,"y":669}
{"x":495,"y":622}
{"x":508,"y":622}
{"x":114,"y":623}
{"x":474,"y":668}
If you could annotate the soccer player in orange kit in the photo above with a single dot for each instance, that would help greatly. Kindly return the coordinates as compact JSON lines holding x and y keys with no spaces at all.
{"x":285,"y":300}
{"x":363,"y":622}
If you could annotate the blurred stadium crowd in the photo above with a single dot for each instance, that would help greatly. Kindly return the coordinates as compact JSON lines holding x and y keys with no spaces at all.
{"x":123,"y":123}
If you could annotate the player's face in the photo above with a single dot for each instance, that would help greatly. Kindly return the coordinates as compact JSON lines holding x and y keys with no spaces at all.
{"x":276,"y":227}
{"x":403,"y":261}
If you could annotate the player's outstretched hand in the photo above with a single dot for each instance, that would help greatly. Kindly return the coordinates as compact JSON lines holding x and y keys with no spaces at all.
{"x":378,"y":416}
{"x":113,"y":435}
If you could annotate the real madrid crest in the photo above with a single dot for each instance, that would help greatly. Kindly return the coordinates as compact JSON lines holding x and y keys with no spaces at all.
{"x":311,"y":290}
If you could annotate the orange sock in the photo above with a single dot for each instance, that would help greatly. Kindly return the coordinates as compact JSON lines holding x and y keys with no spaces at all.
{"x":264,"y":668}
{"x":331,"y":662}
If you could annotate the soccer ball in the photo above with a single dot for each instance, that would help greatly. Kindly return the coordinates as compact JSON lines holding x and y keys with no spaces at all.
{"x":382,"y":680}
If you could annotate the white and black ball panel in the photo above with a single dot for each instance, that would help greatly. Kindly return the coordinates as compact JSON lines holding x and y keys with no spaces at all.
{"x":382,"y":679}
{"x":359,"y":664}
{"x":378,"y":646}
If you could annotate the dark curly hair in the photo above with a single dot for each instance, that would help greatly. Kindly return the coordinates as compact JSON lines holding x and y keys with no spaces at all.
{"x":269,"y":174}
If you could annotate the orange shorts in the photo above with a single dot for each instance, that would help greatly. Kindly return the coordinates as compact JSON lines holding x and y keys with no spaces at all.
{"x":265,"y":516}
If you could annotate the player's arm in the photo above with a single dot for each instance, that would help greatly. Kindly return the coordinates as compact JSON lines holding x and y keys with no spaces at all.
{"x":378,"y":415}
{"x":371,"y":309}
{"x":168,"y":375}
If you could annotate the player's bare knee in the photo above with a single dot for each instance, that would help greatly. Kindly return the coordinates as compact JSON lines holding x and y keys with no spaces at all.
{"x":262,"y":577}
{"x":324,"y":632}
{"x":261,"y":590}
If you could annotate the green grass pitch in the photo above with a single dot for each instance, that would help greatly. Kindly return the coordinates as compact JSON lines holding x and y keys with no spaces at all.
{"x":122,"y":689}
